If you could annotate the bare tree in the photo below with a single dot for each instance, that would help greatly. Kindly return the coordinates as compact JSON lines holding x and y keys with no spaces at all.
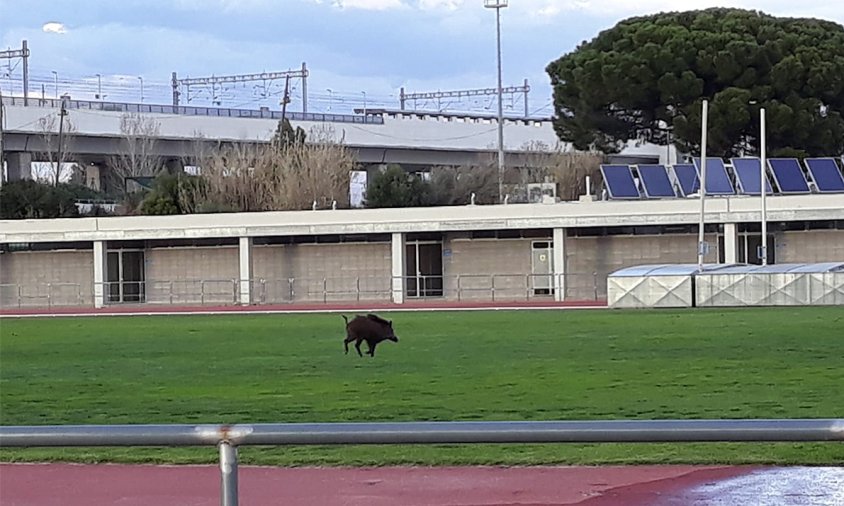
{"x":275,"y":176}
{"x":568,"y":169}
{"x":137,"y":157}
{"x":53,"y":169}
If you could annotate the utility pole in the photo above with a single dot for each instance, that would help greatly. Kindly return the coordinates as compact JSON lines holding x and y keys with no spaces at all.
{"x":304,"y":88}
{"x":25,"y":51}
{"x":2,"y":152}
{"x":285,"y":99}
{"x":62,"y":113}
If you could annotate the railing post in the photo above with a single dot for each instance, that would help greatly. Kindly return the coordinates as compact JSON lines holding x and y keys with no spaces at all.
{"x":528,"y":281}
{"x":236,"y":292}
{"x":171,"y":292}
{"x":20,"y":296}
{"x":263,"y":290}
{"x":595,"y":284}
{"x":324,"y":290}
{"x":49,"y":295}
{"x":228,"y":474}
{"x":357,"y":287}
{"x":492,"y":287}
{"x":201,"y":292}
{"x":290,"y":283}
{"x":459,"y":289}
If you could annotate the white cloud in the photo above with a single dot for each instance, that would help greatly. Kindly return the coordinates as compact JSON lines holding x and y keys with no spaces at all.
{"x":54,"y":27}
{"x":369,"y":5}
{"x":450,"y":5}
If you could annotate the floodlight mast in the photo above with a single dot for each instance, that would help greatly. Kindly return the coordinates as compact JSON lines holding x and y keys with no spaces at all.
{"x":701,"y":245}
{"x":763,"y":152}
{"x":498,"y":5}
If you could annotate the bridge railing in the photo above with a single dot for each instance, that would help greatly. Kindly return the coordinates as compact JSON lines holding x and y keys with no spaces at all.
{"x":222,"y":112}
{"x":228,"y":437}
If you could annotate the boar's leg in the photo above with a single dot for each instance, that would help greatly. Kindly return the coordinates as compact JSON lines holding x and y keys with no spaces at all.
{"x":357,"y":347}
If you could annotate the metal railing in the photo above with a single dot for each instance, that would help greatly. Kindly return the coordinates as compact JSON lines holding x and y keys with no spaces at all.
{"x":223,"y":112}
{"x":464,"y":288}
{"x":228,"y":437}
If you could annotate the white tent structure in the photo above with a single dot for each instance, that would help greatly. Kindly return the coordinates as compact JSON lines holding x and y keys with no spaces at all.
{"x":664,"y":285}
{"x":817,"y":284}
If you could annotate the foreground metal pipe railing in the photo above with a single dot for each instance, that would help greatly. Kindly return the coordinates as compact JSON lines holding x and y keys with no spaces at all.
{"x":228,"y":437}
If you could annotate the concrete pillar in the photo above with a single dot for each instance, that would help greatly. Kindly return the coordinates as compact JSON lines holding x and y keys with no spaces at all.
{"x":559,"y":264}
{"x":245,"y":270}
{"x":100,"y":269}
{"x":730,"y":243}
{"x":18,"y":166}
{"x":398,"y":263}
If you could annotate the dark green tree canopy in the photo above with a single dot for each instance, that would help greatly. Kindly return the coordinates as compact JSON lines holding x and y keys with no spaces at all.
{"x":394,"y":187}
{"x":646,"y":78}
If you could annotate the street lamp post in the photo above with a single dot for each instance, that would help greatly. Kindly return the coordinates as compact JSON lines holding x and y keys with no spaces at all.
{"x":364,"y":103}
{"x":56,"y":80}
{"x":99,"y":87}
{"x":142,"y":87}
{"x":763,"y":151}
{"x":330,"y":95}
{"x":701,"y":245}
{"x":498,"y":5}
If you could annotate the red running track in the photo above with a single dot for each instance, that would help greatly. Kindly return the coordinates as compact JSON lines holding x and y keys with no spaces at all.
{"x":299,"y":308}
{"x":73,"y":485}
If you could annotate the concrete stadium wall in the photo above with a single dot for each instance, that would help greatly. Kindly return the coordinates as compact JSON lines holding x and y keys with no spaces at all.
{"x":46,"y":278}
{"x":342,"y":266}
{"x":474,"y":260}
{"x":810,"y":246}
{"x":606,"y":254}
{"x":196,"y":275}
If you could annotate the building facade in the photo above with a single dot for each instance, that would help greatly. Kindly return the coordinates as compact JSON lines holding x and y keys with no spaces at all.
{"x":555,"y":252}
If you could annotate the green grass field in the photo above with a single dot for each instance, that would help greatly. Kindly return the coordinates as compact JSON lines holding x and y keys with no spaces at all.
{"x":504,"y":365}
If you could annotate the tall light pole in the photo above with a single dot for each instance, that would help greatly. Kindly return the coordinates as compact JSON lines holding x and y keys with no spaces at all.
{"x":701,"y":245}
{"x":99,"y":87}
{"x":330,"y":94}
{"x":498,"y":5}
{"x":142,"y":87}
{"x":56,"y":79}
{"x":364,"y":103}
{"x":763,"y":148}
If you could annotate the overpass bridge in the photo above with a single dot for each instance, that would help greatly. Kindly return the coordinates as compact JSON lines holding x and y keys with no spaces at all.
{"x":379,"y":136}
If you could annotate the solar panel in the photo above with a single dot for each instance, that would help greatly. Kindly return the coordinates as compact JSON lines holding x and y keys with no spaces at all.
{"x":825,"y":174}
{"x":747,"y":176}
{"x":686,"y":175}
{"x":788,"y":175}
{"x":655,"y":181}
{"x":717,"y":180}
{"x":619,"y":181}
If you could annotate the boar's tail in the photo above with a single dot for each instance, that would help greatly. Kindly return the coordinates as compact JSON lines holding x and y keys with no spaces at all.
{"x":344,"y":317}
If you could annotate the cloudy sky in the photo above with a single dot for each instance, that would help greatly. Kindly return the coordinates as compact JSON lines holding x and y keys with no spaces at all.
{"x":350,"y":46}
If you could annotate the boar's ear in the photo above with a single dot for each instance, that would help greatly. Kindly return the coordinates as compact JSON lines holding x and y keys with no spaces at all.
{"x":390,"y":323}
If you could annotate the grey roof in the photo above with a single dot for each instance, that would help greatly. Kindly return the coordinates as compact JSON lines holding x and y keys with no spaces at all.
{"x":782,"y":268}
{"x":665,"y":270}
{"x":718,"y":269}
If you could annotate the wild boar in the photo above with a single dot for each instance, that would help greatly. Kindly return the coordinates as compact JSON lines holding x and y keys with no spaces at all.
{"x":370,"y":328}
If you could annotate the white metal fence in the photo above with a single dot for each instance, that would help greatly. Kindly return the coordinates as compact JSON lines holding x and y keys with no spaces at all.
{"x":228,"y":437}
{"x":315,"y":290}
